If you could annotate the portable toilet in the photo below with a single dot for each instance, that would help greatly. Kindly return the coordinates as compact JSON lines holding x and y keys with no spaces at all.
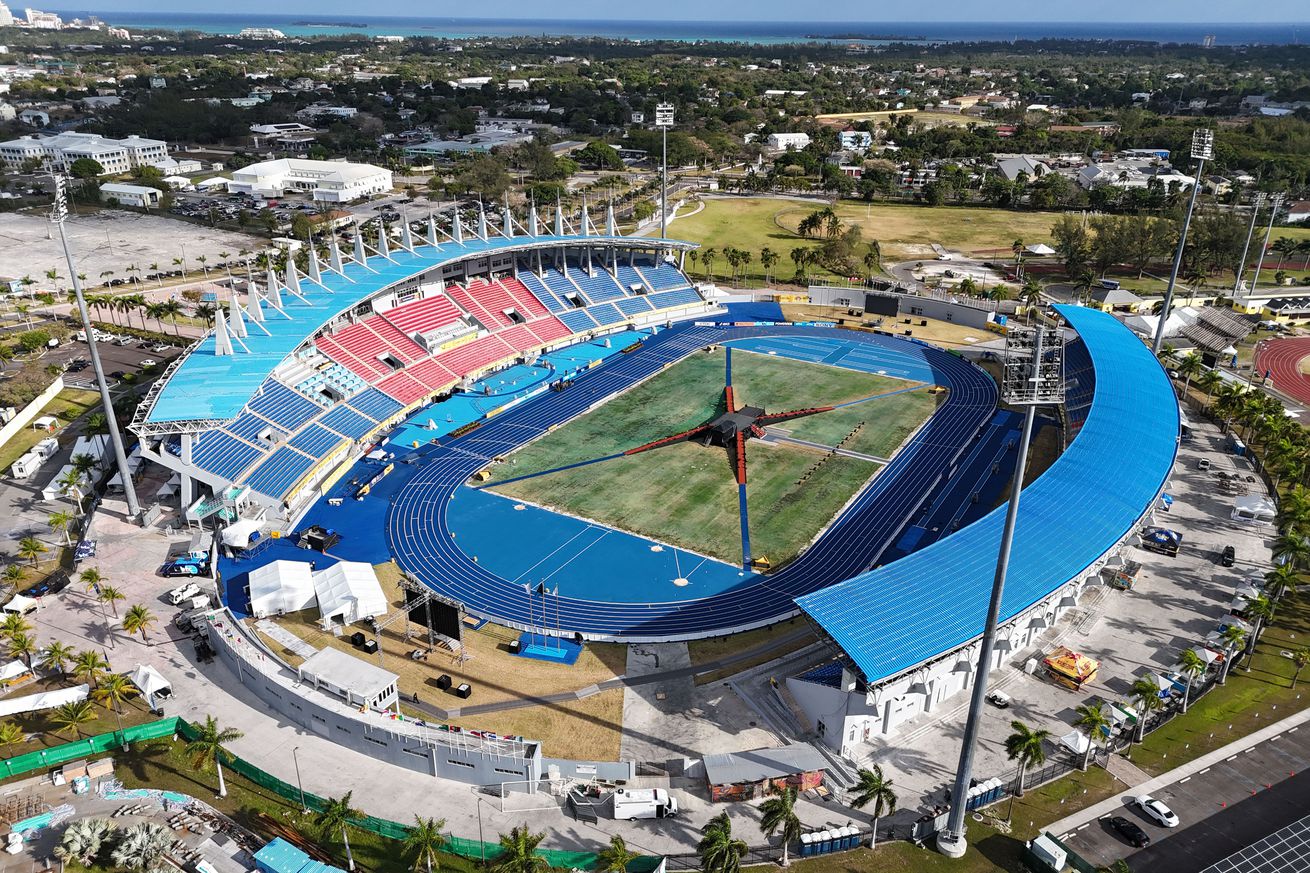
{"x":848,"y":837}
{"x":825,"y":842}
{"x":807,"y":845}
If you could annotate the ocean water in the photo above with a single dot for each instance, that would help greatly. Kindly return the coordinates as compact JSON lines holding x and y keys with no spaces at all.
{"x":762,"y":32}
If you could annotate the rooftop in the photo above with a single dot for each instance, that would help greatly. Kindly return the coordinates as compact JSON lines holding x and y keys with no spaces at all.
{"x":1090,"y":498}
{"x":758,"y":764}
{"x":341,"y":670}
{"x":335,"y":171}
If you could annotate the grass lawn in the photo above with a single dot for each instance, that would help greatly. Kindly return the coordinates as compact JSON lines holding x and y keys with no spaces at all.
{"x":924,"y":117}
{"x":989,"y":848}
{"x":43,"y":733}
{"x":685,"y":494}
{"x":707,"y":650}
{"x":904,"y":231}
{"x":1243,"y":705}
{"x":587,"y":729}
{"x":68,"y":406}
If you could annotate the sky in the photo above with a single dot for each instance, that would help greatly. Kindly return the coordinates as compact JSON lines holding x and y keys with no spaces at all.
{"x":728,"y":10}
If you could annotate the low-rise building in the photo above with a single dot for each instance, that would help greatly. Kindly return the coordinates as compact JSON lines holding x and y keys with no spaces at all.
{"x":1298,"y":212}
{"x":784,"y":141}
{"x":60,"y":151}
{"x":327,"y":181}
{"x":130,"y":195}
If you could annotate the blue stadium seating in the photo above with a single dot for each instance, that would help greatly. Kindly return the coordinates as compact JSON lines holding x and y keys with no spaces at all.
{"x":559,"y":284}
{"x":577,"y":320}
{"x":279,"y":471}
{"x":222,"y":454}
{"x":633,"y":305}
{"x":629,"y":277}
{"x":347,"y":421}
{"x":541,"y":292}
{"x":1079,"y":386}
{"x":598,"y":288}
{"x":682,"y":297}
{"x":375,"y":404}
{"x":247,"y":426}
{"x":280,"y":405}
{"x":605,"y":313}
{"x":662,"y":276}
{"x":315,"y":441}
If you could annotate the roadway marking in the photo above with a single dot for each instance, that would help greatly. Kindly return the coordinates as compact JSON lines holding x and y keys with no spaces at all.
{"x":1203,"y":772}
{"x":1184,"y":779}
{"x":1230,"y":759}
{"x":1080,"y":827}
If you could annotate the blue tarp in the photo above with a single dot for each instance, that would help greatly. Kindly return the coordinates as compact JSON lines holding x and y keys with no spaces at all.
{"x":935,"y":600}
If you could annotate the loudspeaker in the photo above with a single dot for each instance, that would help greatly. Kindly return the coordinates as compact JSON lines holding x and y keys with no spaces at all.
{"x":464,"y":691}
{"x":357,"y":638}
{"x":443,"y":682}
{"x":370,"y":647}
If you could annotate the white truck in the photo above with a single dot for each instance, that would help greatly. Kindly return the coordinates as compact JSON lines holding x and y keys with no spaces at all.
{"x":630,"y":803}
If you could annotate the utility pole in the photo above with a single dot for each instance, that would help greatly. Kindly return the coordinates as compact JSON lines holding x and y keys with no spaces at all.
{"x":1256,"y":204}
{"x":58,"y":212}
{"x":664,"y":120}
{"x":1202,"y":151}
{"x":1034,"y":376}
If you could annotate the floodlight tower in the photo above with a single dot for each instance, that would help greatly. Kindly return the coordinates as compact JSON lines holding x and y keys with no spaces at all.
{"x":58,"y":212}
{"x":1202,"y":151}
{"x":1034,"y":376}
{"x":664,"y":120}
{"x":1274,"y":205}
{"x":1256,"y":205}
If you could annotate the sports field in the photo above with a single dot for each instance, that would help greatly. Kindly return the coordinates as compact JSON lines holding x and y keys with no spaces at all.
{"x":685,"y":494}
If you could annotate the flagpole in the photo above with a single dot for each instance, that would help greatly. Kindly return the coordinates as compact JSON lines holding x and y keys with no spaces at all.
{"x":558,"y":638}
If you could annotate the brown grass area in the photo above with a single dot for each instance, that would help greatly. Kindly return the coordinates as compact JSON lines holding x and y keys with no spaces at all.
{"x":705,"y":651}
{"x":589,"y":729}
{"x":942,"y":333}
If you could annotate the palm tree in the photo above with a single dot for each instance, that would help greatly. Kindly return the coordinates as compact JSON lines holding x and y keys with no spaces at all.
{"x":1262,"y":610}
{"x":70,"y":483}
{"x":206,"y":752}
{"x":142,"y":846}
{"x":1234,"y":638}
{"x":1292,"y":548}
{"x":154,"y":268}
{"x":12,"y":575}
{"x":31,"y":548}
{"x":10,"y":735}
{"x":138,"y":619}
{"x":59,"y":522}
{"x":116,"y":689}
{"x":1091,"y":717}
{"x":56,"y":657}
{"x":616,"y":857}
{"x":425,"y":840}
{"x":708,"y":257}
{"x":91,"y":579}
{"x":872,"y":787}
{"x":109,"y":594}
{"x":768,"y":258}
{"x":1189,"y":366}
{"x":23,"y":646}
{"x":83,"y":840}
{"x":73,"y":715}
{"x":1027,"y":747}
{"x":89,"y":666}
{"x":1192,"y":665}
{"x":1146,"y":695}
{"x":13,"y":625}
{"x":1300,"y":657}
{"x":205,"y":312}
{"x":201,"y":259}
{"x":519,"y":852}
{"x":778,"y":816}
{"x":719,"y":852}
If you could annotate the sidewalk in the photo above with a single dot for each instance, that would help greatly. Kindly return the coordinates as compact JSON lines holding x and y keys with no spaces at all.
{"x":1111,"y":805}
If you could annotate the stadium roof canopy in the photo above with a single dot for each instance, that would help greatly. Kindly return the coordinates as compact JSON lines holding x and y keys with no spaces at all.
{"x":934,"y":601}
{"x":205,"y":386}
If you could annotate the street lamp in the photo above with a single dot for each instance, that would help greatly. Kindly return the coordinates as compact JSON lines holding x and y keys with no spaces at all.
{"x":664,"y":120}
{"x":1202,"y":151}
{"x":1033,"y":376}
{"x":304,"y":809}
{"x":58,"y":212}
{"x":481,"y":844}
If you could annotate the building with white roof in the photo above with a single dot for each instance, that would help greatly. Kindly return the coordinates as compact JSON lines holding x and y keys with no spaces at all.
{"x":352,"y":679}
{"x":60,"y":151}
{"x":784,"y":141}
{"x":329,"y":181}
{"x":130,"y":195}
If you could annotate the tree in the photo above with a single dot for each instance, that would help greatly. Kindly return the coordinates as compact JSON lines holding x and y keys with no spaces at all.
{"x":872,"y":787}
{"x":12,"y":625}
{"x":1300,"y":657}
{"x":616,"y":857}
{"x":89,"y":666}
{"x":519,"y":853}
{"x":57,"y":656}
{"x":768,"y":258}
{"x":83,"y":840}
{"x":708,"y":257}
{"x":10,"y":735}
{"x":59,"y":522}
{"x":719,"y":852}
{"x":1192,"y":665}
{"x":1261,"y":609}
{"x":1189,"y":366}
{"x":1146,"y":695}
{"x":91,"y":579}
{"x":111,"y":595}
{"x":599,"y":154}
{"x":116,"y":689}
{"x":1091,"y":718}
{"x":72,"y":716}
{"x":31,"y":549}
{"x":425,"y":840}
{"x":1026,"y":747}
{"x":138,"y":619}
{"x":206,"y":752}
{"x":1234,"y":638}
{"x":143,"y":846}
{"x":23,"y":646}
{"x":12,"y":575}
{"x":86,"y":168}
{"x":778,"y":816}
{"x":1071,"y":243}
{"x":70,"y":483}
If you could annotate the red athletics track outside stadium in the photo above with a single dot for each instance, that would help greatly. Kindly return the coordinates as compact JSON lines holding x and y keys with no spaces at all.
{"x":1281,"y":358}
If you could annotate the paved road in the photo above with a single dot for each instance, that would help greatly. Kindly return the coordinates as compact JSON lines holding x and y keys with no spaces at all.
{"x":1206,"y":803}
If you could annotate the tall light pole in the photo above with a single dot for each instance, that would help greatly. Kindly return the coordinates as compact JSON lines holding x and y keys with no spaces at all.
{"x":1034,"y":376}
{"x":1256,"y":204}
{"x":304,"y":809}
{"x":58,"y":212}
{"x":1202,"y":151}
{"x":664,"y":120}
{"x":1274,"y":206}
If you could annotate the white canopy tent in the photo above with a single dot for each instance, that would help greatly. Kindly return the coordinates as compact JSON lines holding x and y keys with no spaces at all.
{"x":1040,"y":250}
{"x":281,"y":586}
{"x":237,"y":535}
{"x":348,"y":592}
{"x":20,"y":604}
{"x":12,"y":670}
{"x":1075,"y":741}
{"x":151,"y":682}
{"x":1253,"y":509}
{"x":44,"y":700}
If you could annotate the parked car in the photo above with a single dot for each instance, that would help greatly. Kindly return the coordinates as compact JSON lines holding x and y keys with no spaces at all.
{"x":182,"y":568}
{"x":1227,"y":557}
{"x":998,"y":699}
{"x":1134,"y":835}
{"x":148,"y":362}
{"x":183,"y":593}
{"x":1157,"y":811}
{"x":1203,"y":464}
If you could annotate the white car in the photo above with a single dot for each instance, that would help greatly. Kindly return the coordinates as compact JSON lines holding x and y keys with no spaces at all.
{"x":998,"y":699}
{"x":148,"y":362}
{"x":1157,"y":811}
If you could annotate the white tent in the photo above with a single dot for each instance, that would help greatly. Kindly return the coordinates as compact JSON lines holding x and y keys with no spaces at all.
{"x":282,"y":586}
{"x":348,"y":591}
{"x":1254,"y":510}
{"x":1075,"y":741}
{"x":12,"y":670}
{"x":44,"y":700}
{"x":20,"y":604}
{"x":237,"y":535}
{"x":1040,"y":250}
{"x":151,"y":682}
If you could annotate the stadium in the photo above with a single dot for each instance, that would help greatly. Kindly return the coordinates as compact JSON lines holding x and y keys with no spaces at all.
{"x":527,"y":420}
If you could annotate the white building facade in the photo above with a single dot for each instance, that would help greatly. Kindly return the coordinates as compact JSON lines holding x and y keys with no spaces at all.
{"x":327,"y":181}
{"x":60,"y":151}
